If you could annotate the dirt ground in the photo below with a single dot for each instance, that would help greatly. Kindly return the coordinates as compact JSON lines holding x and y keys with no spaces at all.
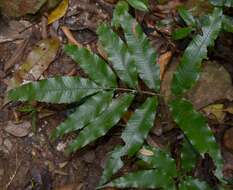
{"x":33,"y":161}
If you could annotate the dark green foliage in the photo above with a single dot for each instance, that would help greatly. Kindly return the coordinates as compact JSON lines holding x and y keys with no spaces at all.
{"x":193,"y":184}
{"x":181,"y":33}
{"x":150,"y":179}
{"x":188,"y":156}
{"x":119,"y":56}
{"x":139,"y":4}
{"x":227,"y":23}
{"x":189,"y":69}
{"x":102,"y":103}
{"x":100,"y":125}
{"x":133,"y":136}
{"x":195,"y":128}
{"x":55,"y":90}
{"x":84,"y":114}
{"x":139,"y":46}
{"x":226,"y":3}
{"x":96,"y":68}
{"x":161,"y":160}
{"x":187,"y":17}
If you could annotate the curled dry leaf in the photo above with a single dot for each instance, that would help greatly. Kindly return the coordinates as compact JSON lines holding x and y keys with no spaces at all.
{"x":163,"y":61}
{"x":18,"y":130}
{"x":37,"y":61}
{"x":59,"y":12}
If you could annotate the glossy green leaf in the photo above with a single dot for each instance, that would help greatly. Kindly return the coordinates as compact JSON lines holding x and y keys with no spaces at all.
{"x":139,"y":46}
{"x":196,"y":129}
{"x":187,"y":16}
{"x":133,"y":136}
{"x":227,"y":23}
{"x":150,"y":179}
{"x":188,"y":70}
{"x":160,"y":159}
{"x":84,"y":114}
{"x":226,"y":3}
{"x":93,"y":65}
{"x":123,"y":63}
{"x":139,"y":4}
{"x":189,"y":156}
{"x":55,"y":90}
{"x":181,"y":33}
{"x":113,"y":164}
{"x":139,"y":126}
{"x":190,"y":183}
{"x":102,"y":124}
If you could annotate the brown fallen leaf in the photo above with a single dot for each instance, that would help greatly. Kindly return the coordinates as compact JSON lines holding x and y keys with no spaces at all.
{"x":37,"y":61}
{"x":163,"y":61}
{"x":16,"y":8}
{"x":216,"y":110}
{"x":18,"y":130}
{"x":59,"y":12}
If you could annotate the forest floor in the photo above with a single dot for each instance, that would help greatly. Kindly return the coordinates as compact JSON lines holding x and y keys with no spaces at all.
{"x":28,"y":158}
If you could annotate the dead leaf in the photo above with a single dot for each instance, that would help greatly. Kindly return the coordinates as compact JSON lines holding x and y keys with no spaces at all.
{"x":163,"y":61}
{"x":216,"y":110}
{"x":59,"y":12}
{"x":146,"y":152}
{"x":214,"y":84}
{"x":38,"y":60}
{"x":18,"y":130}
{"x":16,"y":8}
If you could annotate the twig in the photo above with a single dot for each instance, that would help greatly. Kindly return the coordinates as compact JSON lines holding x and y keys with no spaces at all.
{"x":44,"y":22}
{"x":70,"y":36}
{"x":15,"y":172}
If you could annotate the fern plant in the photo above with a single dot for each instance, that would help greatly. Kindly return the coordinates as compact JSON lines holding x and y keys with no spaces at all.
{"x":103,"y":102}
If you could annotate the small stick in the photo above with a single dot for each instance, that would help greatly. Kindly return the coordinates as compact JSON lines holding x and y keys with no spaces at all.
{"x":15,"y":172}
{"x":70,"y":36}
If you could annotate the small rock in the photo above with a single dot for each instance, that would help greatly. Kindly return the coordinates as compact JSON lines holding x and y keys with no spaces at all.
{"x":228,"y":139}
{"x":18,"y":130}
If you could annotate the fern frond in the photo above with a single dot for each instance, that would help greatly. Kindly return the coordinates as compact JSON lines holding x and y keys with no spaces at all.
{"x":133,"y":136}
{"x":118,"y":54}
{"x":96,"y":68}
{"x":55,"y":90}
{"x":102,"y":124}
{"x":139,"y":46}
{"x":189,"y":69}
{"x":84,"y":114}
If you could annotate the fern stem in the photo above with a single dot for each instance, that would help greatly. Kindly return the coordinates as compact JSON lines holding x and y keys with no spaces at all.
{"x":136,"y":91}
